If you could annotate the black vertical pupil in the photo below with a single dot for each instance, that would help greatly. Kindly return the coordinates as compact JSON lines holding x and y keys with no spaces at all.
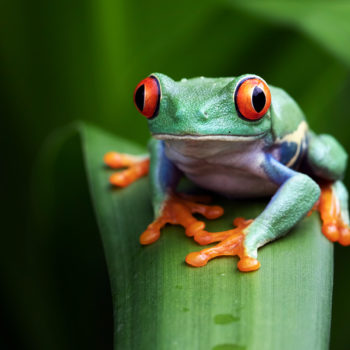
{"x":258,"y":99}
{"x":140,"y":97}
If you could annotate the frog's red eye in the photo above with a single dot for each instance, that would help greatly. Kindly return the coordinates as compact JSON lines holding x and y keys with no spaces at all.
{"x":252,"y":98}
{"x":147,"y":97}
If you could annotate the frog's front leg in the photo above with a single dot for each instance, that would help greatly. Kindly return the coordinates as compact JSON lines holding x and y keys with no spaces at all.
{"x":170,"y":207}
{"x":294,"y":199}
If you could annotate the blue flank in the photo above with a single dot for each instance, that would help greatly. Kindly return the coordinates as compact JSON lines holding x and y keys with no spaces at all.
{"x":276,"y":171}
{"x":168,"y":174}
{"x":287,"y":151}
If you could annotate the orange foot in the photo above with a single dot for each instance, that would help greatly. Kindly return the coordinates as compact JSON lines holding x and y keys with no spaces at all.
{"x":232,"y":244}
{"x":137,"y":166}
{"x":333,"y":225}
{"x":179,"y":210}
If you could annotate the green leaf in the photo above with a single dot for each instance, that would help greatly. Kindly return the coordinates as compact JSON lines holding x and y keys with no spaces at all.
{"x":161,"y":303}
{"x":325,"y":21}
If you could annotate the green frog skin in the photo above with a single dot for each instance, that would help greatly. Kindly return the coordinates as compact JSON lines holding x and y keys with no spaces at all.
{"x":240,"y":138}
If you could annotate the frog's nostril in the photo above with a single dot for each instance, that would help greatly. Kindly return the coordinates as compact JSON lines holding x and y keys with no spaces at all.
{"x":202,"y":114}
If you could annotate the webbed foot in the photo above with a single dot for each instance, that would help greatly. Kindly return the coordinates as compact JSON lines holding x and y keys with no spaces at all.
{"x":232,"y":243}
{"x":136,"y":167}
{"x":204,"y":237}
{"x":178,"y":210}
{"x":333,"y":225}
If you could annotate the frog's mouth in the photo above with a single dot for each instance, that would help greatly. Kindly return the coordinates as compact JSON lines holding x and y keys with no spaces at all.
{"x":212,"y":137}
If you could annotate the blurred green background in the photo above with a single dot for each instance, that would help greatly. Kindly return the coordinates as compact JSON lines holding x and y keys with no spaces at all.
{"x":63,"y":61}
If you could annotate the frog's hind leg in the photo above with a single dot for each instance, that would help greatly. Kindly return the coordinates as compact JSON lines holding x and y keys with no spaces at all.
{"x":333,"y":208}
{"x":326,"y":161}
{"x":136,"y":167}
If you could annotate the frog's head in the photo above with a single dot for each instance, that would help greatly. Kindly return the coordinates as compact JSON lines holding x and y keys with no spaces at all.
{"x":210,"y":108}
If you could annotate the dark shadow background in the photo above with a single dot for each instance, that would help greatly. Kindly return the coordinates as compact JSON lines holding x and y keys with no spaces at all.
{"x":61,"y":61}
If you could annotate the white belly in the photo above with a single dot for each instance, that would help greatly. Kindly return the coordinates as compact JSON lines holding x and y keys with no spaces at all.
{"x":232,"y":169}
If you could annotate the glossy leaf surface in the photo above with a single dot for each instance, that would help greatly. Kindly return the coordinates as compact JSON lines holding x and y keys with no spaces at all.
{"x":161,"y":303}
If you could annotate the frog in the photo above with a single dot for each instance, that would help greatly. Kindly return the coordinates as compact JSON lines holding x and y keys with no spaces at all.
{"x":240,"y":138}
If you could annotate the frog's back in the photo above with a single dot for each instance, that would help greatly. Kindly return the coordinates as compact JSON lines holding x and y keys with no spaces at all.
{"x":286,"y":114}
{"x":289,"y":129}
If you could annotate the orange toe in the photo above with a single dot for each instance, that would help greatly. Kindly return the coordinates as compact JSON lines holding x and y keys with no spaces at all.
{"x":120,"y":179}
{"x":113,"y":160}
{"x":136,"y":167}
{"x":247,"y":264}
{"x":331,"y":232}
{"x":197,"y":259}
{"x":212,"y":212}
{"x":118,"y":160}
{"x":149,"y":236}
{"x":204,"y":237}
{"x":196,"y":226}
{"x":345,"y":236}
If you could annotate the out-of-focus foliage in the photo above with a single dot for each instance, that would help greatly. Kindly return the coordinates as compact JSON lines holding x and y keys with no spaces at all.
{"x":67,"y":60}
{"x":325,"y":21}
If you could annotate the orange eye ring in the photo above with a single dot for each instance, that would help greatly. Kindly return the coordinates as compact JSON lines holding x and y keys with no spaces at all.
{"x":147,"y":97}
{"x":252,"y":98}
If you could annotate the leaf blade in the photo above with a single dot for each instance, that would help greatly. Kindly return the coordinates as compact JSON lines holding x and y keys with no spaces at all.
{"x":159,"y":302}
{"x":326,"y":22}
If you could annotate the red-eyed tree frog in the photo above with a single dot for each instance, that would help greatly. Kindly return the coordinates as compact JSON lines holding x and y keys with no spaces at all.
{"x":240,"y":138}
